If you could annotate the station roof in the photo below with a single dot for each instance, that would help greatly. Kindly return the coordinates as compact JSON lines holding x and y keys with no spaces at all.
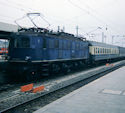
{"x":6,"y":29}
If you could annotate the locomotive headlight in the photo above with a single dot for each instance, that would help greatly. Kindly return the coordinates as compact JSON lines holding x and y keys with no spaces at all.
{"x":27,"y":58}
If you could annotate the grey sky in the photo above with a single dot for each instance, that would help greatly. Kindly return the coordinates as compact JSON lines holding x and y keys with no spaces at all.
{"x":87,"y":14}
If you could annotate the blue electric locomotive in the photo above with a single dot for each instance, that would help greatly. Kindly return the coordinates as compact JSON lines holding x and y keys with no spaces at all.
{"x":35,"y":51}
{"x":38,"y":52}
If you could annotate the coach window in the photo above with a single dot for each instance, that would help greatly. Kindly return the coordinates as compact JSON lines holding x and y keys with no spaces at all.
{"x":94,"y":50}
{"x":107,"y":51}
{"x":98,"y":50}
{"x":116,"y":51}
{"x":103,"y":50}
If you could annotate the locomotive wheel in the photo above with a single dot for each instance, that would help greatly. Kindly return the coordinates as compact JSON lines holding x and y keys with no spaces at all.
{"x":65,"y":68}
{"x":29,"y":76}
{"x":55,"y":68}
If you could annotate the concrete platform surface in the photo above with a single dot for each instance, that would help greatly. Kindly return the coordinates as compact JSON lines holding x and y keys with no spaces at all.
{"x":104,"y":95}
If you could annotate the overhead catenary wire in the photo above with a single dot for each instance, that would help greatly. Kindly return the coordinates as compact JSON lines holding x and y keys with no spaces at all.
{"x":91,"y":13}
{"x":100,"y":15}
{"x":88,"y":12}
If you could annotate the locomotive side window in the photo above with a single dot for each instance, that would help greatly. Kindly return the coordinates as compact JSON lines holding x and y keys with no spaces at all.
{"x":60,"y":44}
{"x":56,"y":43}
{"x":73,"y":45}
{"x":63,"y":44}
{"x":51,"y":45}
{"x":68,"y":44}
{"x":81,"y":46}
{"x":22,"y":43}
{"x":16,"y":43}
{"x":44,"y":43}
{"x":76,"y":46}
{"x":25,"y":42}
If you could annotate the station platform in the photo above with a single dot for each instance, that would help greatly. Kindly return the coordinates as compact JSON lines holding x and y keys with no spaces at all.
{"x":104,"y":95}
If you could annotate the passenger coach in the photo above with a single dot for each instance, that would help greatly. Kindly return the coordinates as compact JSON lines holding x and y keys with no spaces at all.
{"x":103,"y":52}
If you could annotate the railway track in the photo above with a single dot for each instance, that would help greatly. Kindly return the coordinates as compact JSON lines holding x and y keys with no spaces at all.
{"x":16,"y":99}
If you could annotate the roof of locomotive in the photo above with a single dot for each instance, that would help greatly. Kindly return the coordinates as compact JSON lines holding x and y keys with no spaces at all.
{"x":46,"y":33}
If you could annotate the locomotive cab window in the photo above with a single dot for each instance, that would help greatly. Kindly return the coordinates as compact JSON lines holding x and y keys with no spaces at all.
{"x":22,"y":42}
